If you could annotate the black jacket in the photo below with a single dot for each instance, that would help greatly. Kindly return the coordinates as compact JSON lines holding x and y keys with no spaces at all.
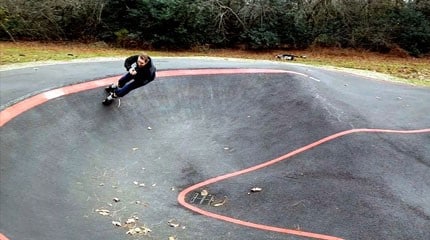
{"x":146,"y":73}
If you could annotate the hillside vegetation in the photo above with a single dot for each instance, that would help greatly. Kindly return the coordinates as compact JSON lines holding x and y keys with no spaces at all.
{"x":379,"y":26}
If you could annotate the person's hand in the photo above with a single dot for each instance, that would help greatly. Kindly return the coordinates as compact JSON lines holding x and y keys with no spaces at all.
{"x":132,"y":71}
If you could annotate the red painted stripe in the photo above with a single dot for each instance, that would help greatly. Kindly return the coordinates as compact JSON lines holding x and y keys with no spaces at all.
{"x":182,"y":194}
{"x":3,"y":237}
{"x":25,"y":105}
{"x":13,"y":111}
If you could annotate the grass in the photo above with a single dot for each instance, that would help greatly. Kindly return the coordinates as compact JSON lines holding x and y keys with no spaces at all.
{"x":409,"y":70}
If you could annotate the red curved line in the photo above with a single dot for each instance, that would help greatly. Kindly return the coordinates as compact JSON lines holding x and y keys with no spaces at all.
{"x":3,"y":237}
{"x":182,"y":194}
{"x":13,"y":111}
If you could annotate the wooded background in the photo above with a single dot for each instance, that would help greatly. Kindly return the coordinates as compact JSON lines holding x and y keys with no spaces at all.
{"x":377,"y":25}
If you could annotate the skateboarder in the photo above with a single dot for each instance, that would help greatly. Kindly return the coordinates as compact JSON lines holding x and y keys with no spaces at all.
{"x":140,"y":71}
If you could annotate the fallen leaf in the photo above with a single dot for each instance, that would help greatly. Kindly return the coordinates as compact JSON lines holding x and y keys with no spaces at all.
{"x":173,"y":223}
{"x":204,"y":192}
{"x":138,"y":230}
{"x":146,"y":230}
{"x":220,"y":203}
{"x":115,"y":223}
{"x":130,"y":221}
{"x":103,"y":212}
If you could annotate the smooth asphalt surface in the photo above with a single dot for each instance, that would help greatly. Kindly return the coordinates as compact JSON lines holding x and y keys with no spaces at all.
{"x":65,"y":161}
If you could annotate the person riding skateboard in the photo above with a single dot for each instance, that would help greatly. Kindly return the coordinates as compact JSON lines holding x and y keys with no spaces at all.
{"x":140,"y":71}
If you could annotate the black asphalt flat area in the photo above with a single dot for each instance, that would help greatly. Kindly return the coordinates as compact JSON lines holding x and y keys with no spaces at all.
{"x":64,"y":161}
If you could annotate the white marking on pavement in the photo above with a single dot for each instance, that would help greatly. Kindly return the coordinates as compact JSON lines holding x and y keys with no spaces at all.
{"x":54,"y":94}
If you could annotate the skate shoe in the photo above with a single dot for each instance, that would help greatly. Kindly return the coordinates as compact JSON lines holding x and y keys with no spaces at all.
{"x":107,"y":102}
{"x":111,"y":88}
{"x":109,"y":99}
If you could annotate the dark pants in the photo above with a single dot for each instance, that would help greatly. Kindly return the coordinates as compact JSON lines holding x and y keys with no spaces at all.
{"x":127,"y":83}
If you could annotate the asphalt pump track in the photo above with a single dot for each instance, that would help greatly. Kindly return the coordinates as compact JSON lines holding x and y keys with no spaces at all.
{"x":219,"y":153}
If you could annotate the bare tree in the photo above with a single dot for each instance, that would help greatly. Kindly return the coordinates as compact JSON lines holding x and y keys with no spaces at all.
{"x":52,"y":19}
